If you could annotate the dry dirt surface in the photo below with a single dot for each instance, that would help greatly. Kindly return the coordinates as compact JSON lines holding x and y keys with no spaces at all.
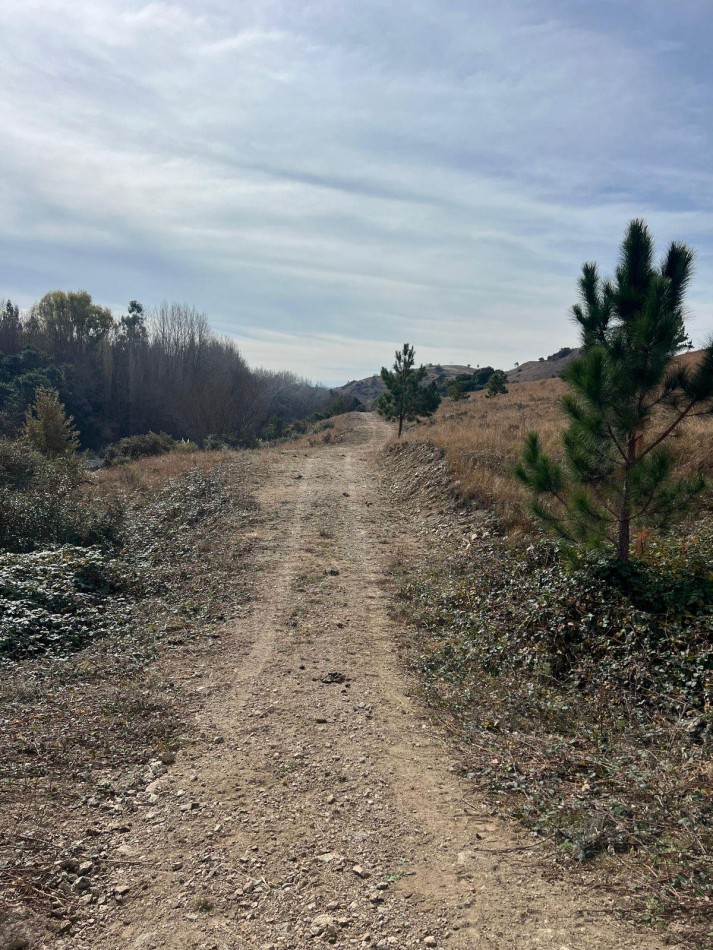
{"x":316,"y":803}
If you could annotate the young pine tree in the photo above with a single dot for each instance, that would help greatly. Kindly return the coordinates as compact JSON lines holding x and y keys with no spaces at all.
{"x":405,"y":397}
{"x":628,"y":395}
{"x":48,"y":427}
{"x":496,"y":385}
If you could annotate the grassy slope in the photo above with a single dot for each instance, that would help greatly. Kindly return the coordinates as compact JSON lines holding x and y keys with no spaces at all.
{"x":482,"y":439}
{"x":585,"y":707}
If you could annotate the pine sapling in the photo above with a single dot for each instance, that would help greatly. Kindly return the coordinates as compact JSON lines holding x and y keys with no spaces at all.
{"x":628,"y":395}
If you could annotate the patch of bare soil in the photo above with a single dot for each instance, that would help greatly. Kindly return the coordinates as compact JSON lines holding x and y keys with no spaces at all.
{"x":312,"y":800}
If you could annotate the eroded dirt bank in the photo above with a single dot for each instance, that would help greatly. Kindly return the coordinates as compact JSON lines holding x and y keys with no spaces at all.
{"x":317,"y":803}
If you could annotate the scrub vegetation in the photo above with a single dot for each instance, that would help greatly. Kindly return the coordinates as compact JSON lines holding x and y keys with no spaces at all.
{"x":578,"y":672}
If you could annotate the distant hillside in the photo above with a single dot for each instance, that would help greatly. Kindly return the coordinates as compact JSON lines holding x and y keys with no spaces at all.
{"x":369,"y":389}
{"x":544,"y":368}
{"x":547,"y":367}
{"x":552,"y":366}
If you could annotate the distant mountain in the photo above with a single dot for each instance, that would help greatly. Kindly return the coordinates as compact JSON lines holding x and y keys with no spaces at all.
{"x":369,"y":389}
{"x":544,"y":368}
{"x":547,"y":367}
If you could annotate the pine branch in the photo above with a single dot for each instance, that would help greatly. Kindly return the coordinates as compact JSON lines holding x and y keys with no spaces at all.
{"x":616,"y":442}
{"x":667,"y":432}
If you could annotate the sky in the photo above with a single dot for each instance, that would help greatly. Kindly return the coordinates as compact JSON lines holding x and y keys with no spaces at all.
{"x":327,"y":179}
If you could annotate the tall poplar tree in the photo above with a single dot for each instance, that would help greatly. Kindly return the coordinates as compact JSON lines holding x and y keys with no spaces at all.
{"x":628,"y":394}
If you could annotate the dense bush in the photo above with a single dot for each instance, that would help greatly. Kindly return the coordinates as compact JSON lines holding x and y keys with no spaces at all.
{"x":139,"y":446}
{"x":475,"y":381}
{"x":42,"y":502}
{"x":646,"y":631}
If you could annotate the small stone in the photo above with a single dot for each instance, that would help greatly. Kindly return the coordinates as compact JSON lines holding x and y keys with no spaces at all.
{"x":430,"y":941}
{"x":17,"y":941}
{"x":323,"y":925}
{"x":359,"y":871}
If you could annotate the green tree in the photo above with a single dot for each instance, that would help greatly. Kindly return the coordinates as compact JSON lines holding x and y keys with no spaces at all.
{"x":71,"y":318}
{"x":48,"y":427}
{"x":628,"y":395}
{"x":10,"y":327}
{"x":405,"y":396}
{"x":456,"y":390}
{"x":132,"y":326}
{"x":496,"y":384}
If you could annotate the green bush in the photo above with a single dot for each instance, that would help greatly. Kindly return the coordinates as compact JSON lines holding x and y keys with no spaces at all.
{"x":584,"y":702}
{"x":42,"y":502}
{"x":139,"y":446}
{"x":646,"y":634}
{"x":214,"y":443}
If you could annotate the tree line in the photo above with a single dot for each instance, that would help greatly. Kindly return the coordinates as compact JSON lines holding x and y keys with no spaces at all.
{"x":158,"y":370}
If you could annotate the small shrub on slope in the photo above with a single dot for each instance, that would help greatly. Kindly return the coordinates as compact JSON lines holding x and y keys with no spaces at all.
{"x":139,"y":446}
{"x":41,"y":502}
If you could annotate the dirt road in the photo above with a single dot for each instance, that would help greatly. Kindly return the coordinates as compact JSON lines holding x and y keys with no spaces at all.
{"x":317,"y":803}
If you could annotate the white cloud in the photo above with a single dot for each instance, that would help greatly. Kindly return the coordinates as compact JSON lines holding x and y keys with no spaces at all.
{"x":346,"y":176}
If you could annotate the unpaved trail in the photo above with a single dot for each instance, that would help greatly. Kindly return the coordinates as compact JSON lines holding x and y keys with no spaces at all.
{"x":317,"y":785}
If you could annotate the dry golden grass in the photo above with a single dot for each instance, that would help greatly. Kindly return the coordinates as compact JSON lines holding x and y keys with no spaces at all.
{"x":483,"y":438}
{"x":148,"y":473}
{"x":324,"y":432}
